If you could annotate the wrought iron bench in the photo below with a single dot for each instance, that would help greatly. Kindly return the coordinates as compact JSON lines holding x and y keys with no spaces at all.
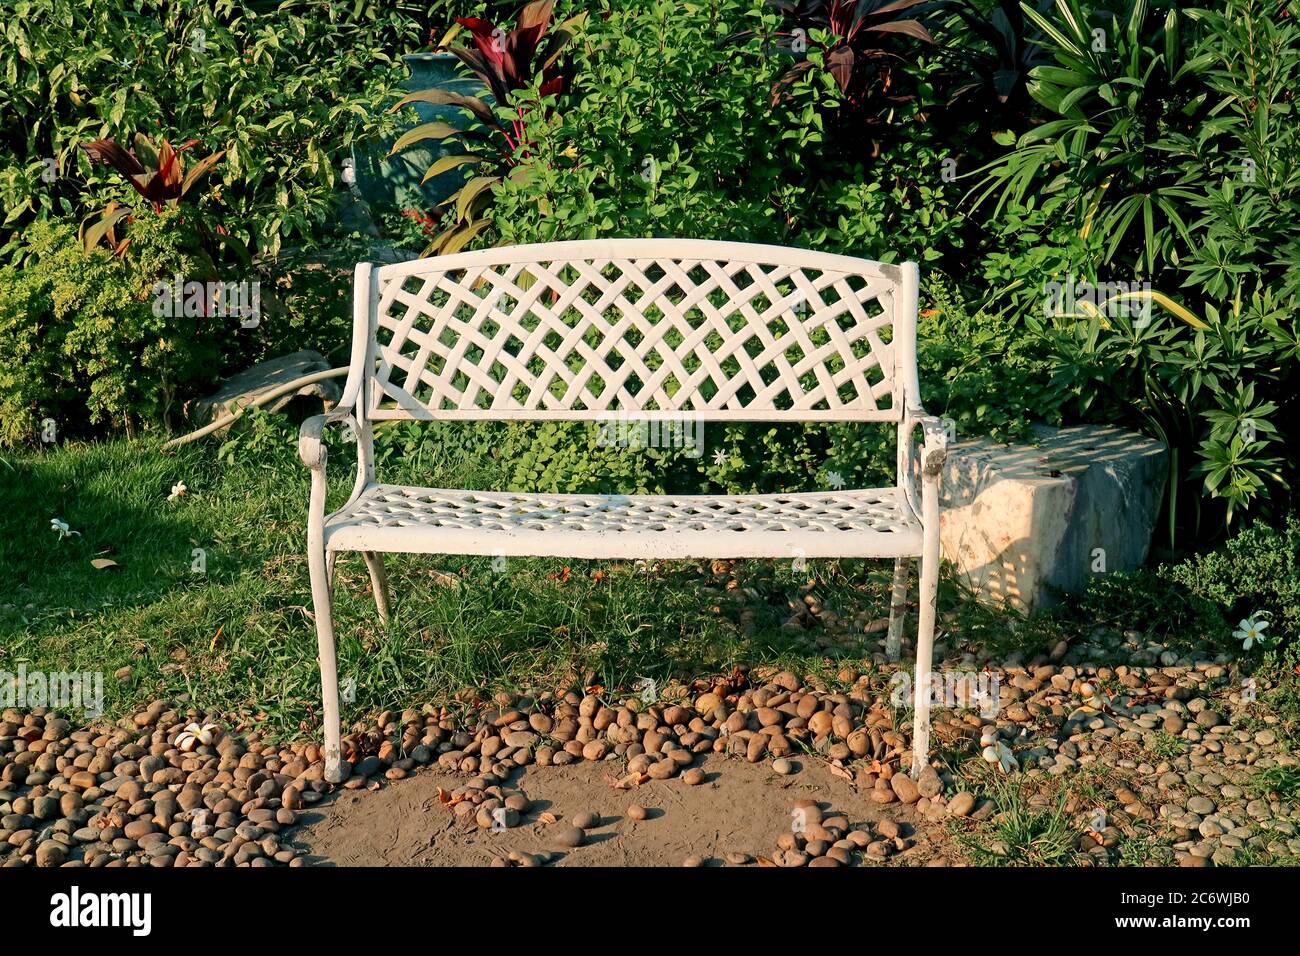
{"x":658,"y":329}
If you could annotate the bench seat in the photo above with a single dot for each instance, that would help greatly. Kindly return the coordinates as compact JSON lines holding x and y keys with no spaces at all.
{"x":874,"y":522}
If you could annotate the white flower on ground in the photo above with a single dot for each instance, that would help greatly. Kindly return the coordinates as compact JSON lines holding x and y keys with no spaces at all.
{"x":1251,"y":632}
{"x":193,"y":736}
{"x":178,"y":490}
{"x":997,"y":752}
{"x":61,"y":529}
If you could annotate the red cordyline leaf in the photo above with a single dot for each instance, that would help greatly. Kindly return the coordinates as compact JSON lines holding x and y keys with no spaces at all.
{"x":504,"y":60}
{"x":485,"y":38}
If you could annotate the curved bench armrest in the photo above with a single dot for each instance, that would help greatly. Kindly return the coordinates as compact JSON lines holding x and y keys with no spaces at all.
{"x":935,"y":449}
{"x":933,"y":452}
{"x":310,"y":447}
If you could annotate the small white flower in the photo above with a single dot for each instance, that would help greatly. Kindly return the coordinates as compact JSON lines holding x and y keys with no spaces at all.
{"x":61,"y":529}
{"x":178,"y":490}
{"x":719,"y":457}
{"x":1251,"y":632}
{"x":835,"y":480}
{"x":194,"y":736}
{"x":999,"y":753}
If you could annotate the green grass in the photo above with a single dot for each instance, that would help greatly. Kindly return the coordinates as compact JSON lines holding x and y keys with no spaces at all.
{"x":1165,"y":745}
{"x":1018,"y":834}
{"x":240,"y":637}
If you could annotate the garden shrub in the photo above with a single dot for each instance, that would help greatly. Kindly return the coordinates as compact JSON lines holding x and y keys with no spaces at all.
{"x":284,"y":87}
{"x":1256,"y":572}
{"x":87,"y":343}
{"x":1169,"y":162}
{"x":1203,"y":598}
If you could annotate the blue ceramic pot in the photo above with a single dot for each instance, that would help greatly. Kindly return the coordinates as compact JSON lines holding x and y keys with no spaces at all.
{"x":391,"y":183}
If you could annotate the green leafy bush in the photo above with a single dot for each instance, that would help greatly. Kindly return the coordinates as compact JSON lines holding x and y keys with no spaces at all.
{"x":284,"y":87}
{"x":83,"y":341}
{"x":671,"y":137}
{"x":1255,"y":572}
{"x":1168,"y":159}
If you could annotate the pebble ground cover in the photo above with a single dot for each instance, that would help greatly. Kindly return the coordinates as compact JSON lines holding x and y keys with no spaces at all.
{"x":1124,"y":752}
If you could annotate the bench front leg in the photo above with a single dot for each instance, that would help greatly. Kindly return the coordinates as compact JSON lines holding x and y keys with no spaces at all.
{"x":313,"y":454}
{"x":932,"y":459}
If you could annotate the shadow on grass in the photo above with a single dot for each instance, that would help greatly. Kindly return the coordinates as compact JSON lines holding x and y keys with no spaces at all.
{"x":240,"y":637}
{"x":116,"y":510}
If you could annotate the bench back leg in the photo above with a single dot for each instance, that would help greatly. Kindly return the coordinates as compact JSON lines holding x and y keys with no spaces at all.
{"x":378,"y":582}
{"x":897,"y":609}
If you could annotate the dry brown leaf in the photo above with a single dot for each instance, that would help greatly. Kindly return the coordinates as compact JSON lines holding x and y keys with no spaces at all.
{"x":764,"y":861}
{"x":547,"y":816}
{"x":99,"y":564}
{"x":841,"y":773}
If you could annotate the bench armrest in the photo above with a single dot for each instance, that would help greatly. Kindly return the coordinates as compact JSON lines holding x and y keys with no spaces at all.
{"x":310,"y":447}
{"x":935,"y":449}
{"x":933,"y":452}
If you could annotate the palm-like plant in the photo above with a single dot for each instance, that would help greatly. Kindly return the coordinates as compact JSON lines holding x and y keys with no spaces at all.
{"x":1123,"y":149}
{"x":507,"y":62}
{"x":993,"y":71}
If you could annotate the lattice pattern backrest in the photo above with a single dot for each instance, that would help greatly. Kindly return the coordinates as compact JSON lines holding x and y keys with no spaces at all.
{"x":653,"y":327}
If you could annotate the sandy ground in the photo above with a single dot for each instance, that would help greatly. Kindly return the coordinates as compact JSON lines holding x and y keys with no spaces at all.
{"x":741,"y":807}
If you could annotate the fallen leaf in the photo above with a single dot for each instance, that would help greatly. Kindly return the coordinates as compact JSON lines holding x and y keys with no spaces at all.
{"x":547,"y":816}
{"x":216,"y":637}
{"x":99,"y":564}
{"x":841,"y":773}
{"x":764,"y":861}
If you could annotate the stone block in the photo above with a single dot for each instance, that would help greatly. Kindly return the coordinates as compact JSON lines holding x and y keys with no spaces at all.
{"x":1025,"y":523}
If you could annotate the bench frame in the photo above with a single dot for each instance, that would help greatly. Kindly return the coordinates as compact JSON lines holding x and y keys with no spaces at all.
{"x":372,"y":366}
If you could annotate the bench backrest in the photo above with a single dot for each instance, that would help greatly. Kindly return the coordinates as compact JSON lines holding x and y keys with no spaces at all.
{"x":653,"y":328}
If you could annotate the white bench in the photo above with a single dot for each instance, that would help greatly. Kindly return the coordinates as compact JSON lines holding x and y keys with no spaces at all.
{"x":659,"y":329}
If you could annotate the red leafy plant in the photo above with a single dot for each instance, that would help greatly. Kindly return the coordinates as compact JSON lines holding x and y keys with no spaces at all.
{"x":859,"y":55}
{"x":506,"y":61}
{"x":157,"y":173}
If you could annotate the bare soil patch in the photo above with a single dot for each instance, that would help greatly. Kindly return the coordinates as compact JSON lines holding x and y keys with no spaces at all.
{"x":740,"y":808}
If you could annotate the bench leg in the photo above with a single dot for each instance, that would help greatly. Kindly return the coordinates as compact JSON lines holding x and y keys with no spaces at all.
{"x":378,"y":582}
{"x":897,"y":609}
{"x":925,"y":647}
{"x":329,"y":678}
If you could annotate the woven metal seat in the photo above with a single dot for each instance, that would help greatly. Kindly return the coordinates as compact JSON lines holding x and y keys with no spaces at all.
{"x":844,"y":524}
{"x":651,"y":331}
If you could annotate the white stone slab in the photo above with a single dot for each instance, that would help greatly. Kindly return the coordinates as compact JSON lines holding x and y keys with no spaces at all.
{"x":1024,"y":523}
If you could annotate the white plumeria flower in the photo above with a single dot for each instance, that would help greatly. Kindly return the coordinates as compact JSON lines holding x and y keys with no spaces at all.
{"x":178,"y":490}
{"x":1251,"y":632}
{"x":194,"y":736}
{"x":719,"y":457}
{"x":997,"y":752}
{"x":61,"y":528}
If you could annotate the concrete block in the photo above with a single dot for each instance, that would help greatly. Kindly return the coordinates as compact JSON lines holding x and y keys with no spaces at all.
{"x":1024,"y":523}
